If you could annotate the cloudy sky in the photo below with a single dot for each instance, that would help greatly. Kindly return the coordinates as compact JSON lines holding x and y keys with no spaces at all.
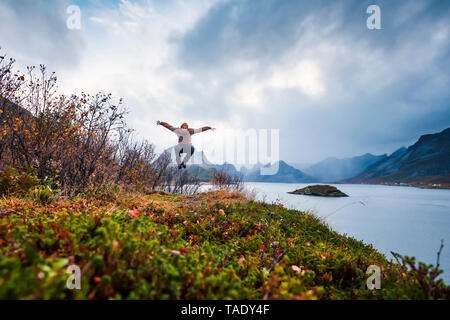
{"x":311,"y":69}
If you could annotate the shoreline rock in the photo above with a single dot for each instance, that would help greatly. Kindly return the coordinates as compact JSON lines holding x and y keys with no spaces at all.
{"x":320,"y":190}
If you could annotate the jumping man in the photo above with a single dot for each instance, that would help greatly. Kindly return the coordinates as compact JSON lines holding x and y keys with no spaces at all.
{"x":184,"y":134}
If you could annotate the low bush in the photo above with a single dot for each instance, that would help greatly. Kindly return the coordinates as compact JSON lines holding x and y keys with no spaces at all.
{"x":205,"y":246}
{"x":18,"y":183}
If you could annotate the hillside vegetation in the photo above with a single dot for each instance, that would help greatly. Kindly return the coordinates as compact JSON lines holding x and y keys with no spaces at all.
{"x":215,"y":245}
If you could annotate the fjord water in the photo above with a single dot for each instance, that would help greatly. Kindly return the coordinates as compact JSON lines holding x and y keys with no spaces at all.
{"x":406,"y":220}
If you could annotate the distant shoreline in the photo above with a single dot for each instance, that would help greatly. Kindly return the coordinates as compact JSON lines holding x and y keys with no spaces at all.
{"x":402,"y":184}
{"x":441,"y":187}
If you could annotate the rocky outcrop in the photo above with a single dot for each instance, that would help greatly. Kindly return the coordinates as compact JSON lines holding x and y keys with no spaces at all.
{"x":321,"y":190}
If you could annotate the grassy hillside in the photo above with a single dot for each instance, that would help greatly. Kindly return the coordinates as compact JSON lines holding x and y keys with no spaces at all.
{"x":216,"y":245}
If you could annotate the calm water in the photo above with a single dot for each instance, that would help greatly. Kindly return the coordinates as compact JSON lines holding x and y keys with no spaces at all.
{"x":410,"y":221}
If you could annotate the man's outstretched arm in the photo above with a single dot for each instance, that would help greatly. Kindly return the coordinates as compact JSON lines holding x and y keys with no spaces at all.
{"x":202,"y":129}
{"x":165,"y":124}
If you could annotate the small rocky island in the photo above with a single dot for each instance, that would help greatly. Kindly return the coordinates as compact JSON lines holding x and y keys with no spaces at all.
{"x":321,"y":190}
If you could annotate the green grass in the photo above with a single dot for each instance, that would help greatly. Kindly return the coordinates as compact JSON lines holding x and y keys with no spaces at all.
{"x":208,"y":246}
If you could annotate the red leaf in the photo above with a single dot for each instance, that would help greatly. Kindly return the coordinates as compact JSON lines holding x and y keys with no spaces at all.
{"x":134,"y":213}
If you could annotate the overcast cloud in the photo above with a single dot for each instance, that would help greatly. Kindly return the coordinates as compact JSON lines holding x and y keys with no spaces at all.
{"x":309,"y":68}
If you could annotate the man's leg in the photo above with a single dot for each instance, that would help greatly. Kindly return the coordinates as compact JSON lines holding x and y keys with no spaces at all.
{"x":189,"y":152}
{"x":178,"y":149}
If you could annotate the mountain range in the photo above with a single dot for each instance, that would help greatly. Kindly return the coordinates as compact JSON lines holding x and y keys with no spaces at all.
{"x":333,"y":169}
{"x":203,"y":169}
{"x":286,"y":173}
{"x":426,"y":163}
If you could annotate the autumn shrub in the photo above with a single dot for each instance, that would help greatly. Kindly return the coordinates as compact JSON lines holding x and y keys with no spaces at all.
{"x":223,"y":180}
{"x":82,"y":139}
{"x":71,"y":137}
{"x":417,"y":279}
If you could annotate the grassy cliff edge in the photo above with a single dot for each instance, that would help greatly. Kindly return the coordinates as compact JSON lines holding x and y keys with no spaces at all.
{"x":215,"y":245}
